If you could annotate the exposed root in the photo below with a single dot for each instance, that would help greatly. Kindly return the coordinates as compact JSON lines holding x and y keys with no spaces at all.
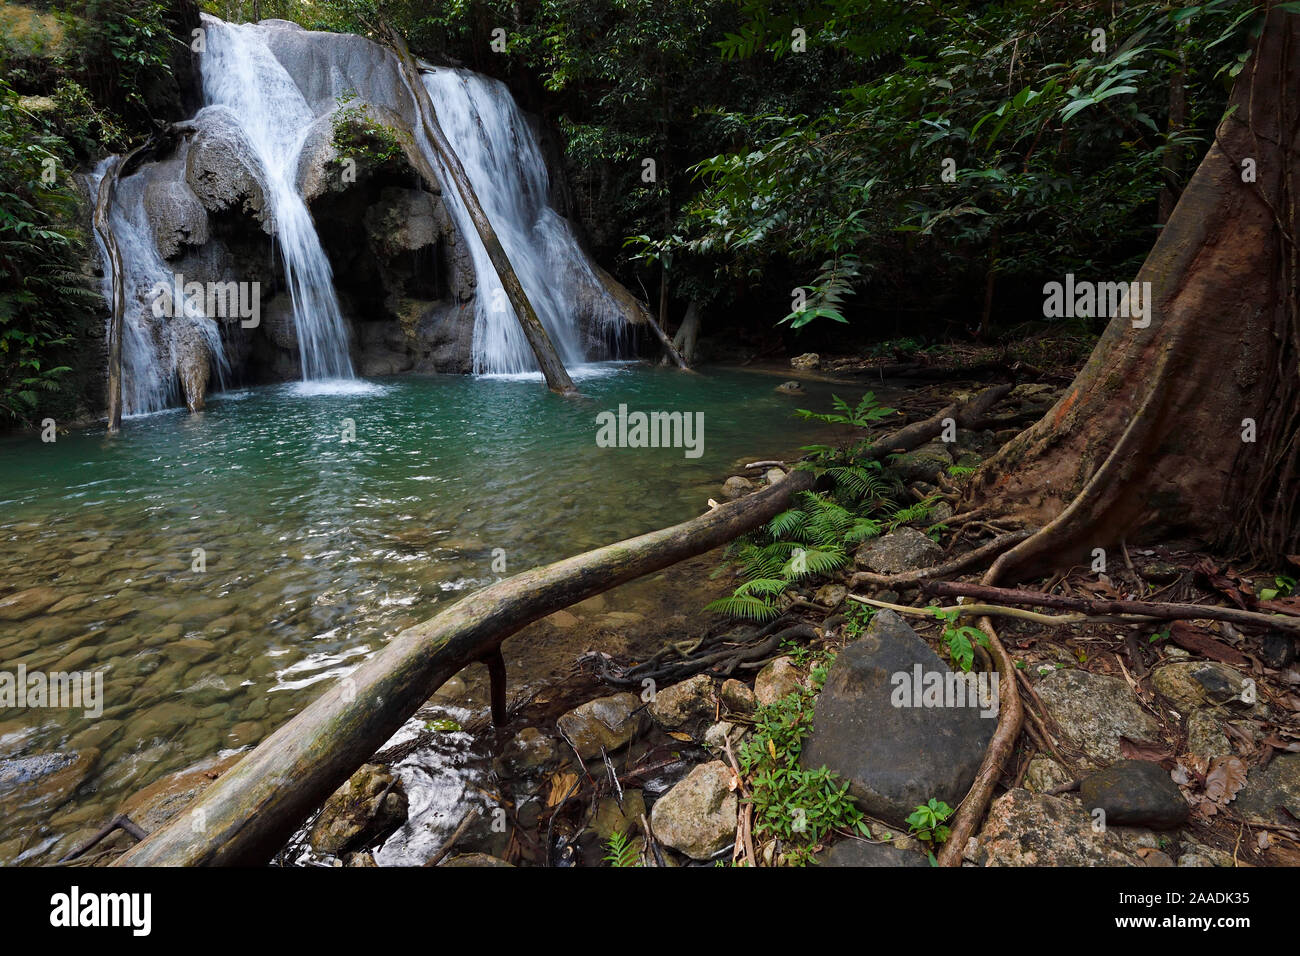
{"x":961,"y":563}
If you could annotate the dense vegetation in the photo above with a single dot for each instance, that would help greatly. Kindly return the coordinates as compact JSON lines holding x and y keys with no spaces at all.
{"x":896,"y":162}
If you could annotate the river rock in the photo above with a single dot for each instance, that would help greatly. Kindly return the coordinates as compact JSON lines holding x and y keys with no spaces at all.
{"x":157,"y":803}
{"x":1205,"y":736}
{"x":1192,"y":684}
{"x":529,"y":752}
{"x":23,"y":604}
{"x":903,"y":550}
{"x":475,"y":859}
{"x":1026,"y":829}
{"x":778,"y":679}
{"x":45,"y":780}
{"x":806,"y":362}
{"x":1045,"y":774}
{"x":923,"y":464}
{"x":1277,"y":650}
{"x":893,"y":757}
{"x":609,"y":819}
{"x":609,"y":722}
{"x":831,"y":595}
{"x":371,"y":804}
{"x":1093,"y":711}
{"x":790,"y":388}
{"x":1266,"y":789}
{"x":698,"y":815}
{"x":737,"y":697}
{"x":1135,"y":793}
{"x":725,"y":733}
{"x":862,"y":853}
{"x":736,"y":487}
{"x":687,"y":707}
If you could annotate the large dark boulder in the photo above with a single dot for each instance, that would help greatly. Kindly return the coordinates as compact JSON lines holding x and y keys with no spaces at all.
{"x":894,"y":757}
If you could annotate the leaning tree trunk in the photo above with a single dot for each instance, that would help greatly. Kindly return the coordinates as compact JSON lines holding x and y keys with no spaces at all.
{"x":1186,"y":428}
{"x":103,"y":225}
{"x":548,"y":360}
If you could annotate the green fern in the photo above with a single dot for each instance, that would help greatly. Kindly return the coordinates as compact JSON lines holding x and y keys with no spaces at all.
{"x":620,"y":851}
{"x":744,"y":606}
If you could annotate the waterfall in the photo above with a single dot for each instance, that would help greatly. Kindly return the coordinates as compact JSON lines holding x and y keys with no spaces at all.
{"x":504,"y":163}
{"x":240,"y":72}
{"x":149,"y":359}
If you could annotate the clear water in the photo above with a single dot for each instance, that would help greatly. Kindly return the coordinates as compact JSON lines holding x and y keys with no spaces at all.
{"x":318,"y":551}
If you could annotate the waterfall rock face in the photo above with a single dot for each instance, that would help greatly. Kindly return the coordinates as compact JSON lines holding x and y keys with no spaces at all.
{"x":308,"y":137}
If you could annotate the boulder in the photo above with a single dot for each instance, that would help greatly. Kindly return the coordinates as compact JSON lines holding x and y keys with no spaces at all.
{"x":903,"y":550}
{"x":737,"y":697}
{"x":778,"y":679}
{"x":1093,"y":711}
{"x":609,"y":722}
{"x":806,"y":362}
{"x":610,"y":819}
{"x":687,"y":707}
{"x":736,"y":487}
{"x":1205,"y":736}
{"x":923,"y":464}
{"x":221,"y":168}
{"x":176,"y":216}
{"x":1026,"y":829}
{"x":1045,"y":774}
{"x":529,"y":752}
{"x":1271,"y":787}
{"x":862,"y":853}
{"x":893,"y":755}
{"x":1135,"y":793}
{"x":1188,"y":685}
{"x":698,"y":815}
{"x":790,"y":388}
{"x":371,"y":804}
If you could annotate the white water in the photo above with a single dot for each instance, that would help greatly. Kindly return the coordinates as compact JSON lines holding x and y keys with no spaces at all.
{"x":505,"y":166}
{"x":149,"y":382}
{"x":240,"y":72}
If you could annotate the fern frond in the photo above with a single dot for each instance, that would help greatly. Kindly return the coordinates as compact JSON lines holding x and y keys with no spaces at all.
{"x":743,"y":606}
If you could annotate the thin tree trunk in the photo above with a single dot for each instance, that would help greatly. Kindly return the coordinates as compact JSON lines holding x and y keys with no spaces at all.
{"x":246,"y":816}
{"x":548,"y":360}
{"x":103,"y":226}
{"x":1172,"y":163}
{"x":689,"y":331}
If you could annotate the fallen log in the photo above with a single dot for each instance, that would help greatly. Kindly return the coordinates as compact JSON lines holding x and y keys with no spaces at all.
{"x":548,"y":360}
{"x":246,"y":816}
{"x":1101,"y":606}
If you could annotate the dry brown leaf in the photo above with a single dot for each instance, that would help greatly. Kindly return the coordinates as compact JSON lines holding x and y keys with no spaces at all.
{"x":561,"y":784}
{"x":1227,"y":776}
{"x":1145,"y":750}
{"x":678,"y":735}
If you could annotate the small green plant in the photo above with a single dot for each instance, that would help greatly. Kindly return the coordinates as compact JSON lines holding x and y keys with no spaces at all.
{"x":1285,"y":586}
{"x":620,"y":851}
{"x":927,"y":821}
{"x":960,"y":638}
{"x":443,"y":725}
{"x":960,"y":471}
{"x":865,"y":414}
{"x":859,"y":616}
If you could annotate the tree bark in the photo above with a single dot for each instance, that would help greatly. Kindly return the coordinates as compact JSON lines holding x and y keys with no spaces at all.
{"x":1148,"y":442}
{"x":246,"y":816}
{"x":104,"y":226}
{"x":548,"y":360}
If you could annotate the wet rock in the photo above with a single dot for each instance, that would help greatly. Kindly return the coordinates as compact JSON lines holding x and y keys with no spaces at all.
{"x":176,"y":216}
{"x":687,"y":707}
{"x":1045,"y":774}
{"x":926,"y":463}
{"x":790,"y":388}
{"x":1205,"y":736}
{"x":777,"y":679}
{"x":1277,"y":650}
{"x":806,"y":362}
{"x":1192,"y":684}
{"x":44,"y":780}
{"x":698,"y":816}
{"x":609,"y":819}
{"x":609,"y":722}
{"x":893,"y":757}
{"x":363,"y":859}
{"x":157,"y":803}
{"x":371,"y":804}
{"x":737,"y":697}
{"x":529,"y":752}
{"x":191,"y":650}
{"x":24,"y":604}
{"x":1025,"y":829}
{"x":1135,"y":793}
{"x":861,"y":853}
{"x":736,"y":487}
{"x":1271,"y":787}
{"x":1093,"y":711}
{"x":725,"y":733}
{"x":903,"y":550}
{"x":221,"y":168}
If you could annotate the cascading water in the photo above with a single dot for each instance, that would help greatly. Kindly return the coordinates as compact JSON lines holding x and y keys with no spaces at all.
{"x":505,"y":166}
{"x":150,"y":344}
{"x":240,"y":72}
